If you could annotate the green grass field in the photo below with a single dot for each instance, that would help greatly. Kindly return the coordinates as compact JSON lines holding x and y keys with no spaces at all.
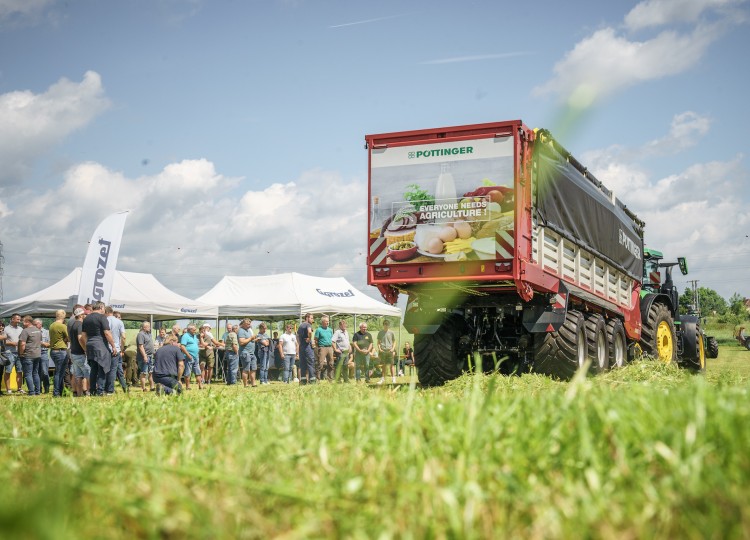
{"x":645,"y":451}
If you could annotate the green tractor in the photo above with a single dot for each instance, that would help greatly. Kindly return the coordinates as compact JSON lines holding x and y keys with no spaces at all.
{"x":667,"y":335}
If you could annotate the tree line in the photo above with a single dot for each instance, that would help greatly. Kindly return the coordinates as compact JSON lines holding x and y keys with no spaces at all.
{"x":713,"y":304}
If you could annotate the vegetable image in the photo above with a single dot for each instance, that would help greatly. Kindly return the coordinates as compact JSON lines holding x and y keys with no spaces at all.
{"x":418,"y":196}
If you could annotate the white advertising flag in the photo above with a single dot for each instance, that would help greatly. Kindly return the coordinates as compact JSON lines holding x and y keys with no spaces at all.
{"x":101,"y":260}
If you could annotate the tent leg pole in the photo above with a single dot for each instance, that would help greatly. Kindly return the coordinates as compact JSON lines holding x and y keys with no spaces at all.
{"x":398,"y":354}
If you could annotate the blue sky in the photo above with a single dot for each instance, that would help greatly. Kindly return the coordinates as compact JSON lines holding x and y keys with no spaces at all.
{"x":234,"y":131}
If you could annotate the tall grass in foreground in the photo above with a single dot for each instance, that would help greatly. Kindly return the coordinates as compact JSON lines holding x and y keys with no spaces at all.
{"x":645,"y":451}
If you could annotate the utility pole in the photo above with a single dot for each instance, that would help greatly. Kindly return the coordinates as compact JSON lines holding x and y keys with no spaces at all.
{"x":694,"y":283}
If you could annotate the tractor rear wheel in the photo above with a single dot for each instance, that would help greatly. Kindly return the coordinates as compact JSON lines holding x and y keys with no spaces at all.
{"x":597,"y":342}
{"x":562,"y":352}
{"x":697,"y":364}
{"x":693,"y":355}
{"x":437,"y":355}
{"x":658,"y":335}
{"x":712,"y":348}
{"x":618,"y":345}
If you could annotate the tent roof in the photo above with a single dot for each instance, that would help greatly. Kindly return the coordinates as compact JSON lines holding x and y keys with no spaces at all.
{"x":291,"y":295}
{"x":135,"y":295}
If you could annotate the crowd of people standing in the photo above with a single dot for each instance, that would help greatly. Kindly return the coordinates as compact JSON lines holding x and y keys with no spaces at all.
{"x":89,"y":353}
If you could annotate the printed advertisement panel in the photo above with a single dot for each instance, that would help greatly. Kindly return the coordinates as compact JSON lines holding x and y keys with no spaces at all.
{"x":442,"y":202}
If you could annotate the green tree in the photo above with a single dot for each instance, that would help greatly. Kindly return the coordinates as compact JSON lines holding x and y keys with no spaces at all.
{"x":686,"y":300}
{"x":710,"y":301}
{"x":737,"y":306}
{"x":132,"y":325}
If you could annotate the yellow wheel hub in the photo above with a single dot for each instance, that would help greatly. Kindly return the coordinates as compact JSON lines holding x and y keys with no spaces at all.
{"x":664,"y":342}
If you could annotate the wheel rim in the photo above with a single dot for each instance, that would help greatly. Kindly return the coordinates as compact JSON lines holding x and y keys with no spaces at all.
{"x":619,"y":353}
{"x":581,"y":346}
{"x":701,"y":353}
{"x":601,"y":349}
{"x":664,"y":343}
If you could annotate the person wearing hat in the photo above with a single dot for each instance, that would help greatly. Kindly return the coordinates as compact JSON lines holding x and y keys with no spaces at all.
{"x":206,"y":352}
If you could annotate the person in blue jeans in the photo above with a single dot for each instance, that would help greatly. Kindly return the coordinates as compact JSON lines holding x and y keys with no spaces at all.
{"x":248,"y":360}
{"x":306,"y":355}
{"x":290,"y":350}
{"x":58,"y":340}
{"x":45,"y":357}
{"x":263,"y":352}
{"x":12,"y":331}
{"x":189,"y":345}
{"x":30,"y":350}
{"x":231,"y":356}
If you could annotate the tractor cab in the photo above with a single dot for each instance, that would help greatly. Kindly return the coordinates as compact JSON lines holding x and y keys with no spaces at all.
{"x":652,"y":283}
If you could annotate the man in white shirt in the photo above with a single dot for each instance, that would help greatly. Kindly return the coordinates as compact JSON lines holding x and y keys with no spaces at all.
{"x":13,"y":331}
{"x":289,"y":351}
{"x":342,"y":350}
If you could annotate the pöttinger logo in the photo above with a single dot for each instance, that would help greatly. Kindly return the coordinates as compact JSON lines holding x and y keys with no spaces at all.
{"x":441,"y":152}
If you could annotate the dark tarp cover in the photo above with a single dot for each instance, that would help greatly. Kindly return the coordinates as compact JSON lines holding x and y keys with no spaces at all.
{"x":571,"y":205}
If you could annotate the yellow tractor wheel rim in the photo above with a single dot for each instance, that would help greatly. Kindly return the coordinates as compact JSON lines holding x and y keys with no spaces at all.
{"x":664,"y":342}
{"x":701,"y":352}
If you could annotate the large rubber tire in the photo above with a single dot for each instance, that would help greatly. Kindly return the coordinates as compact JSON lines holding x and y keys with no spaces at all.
{"x":658,"y":335}
{"x":559,"y":354}
{"x":693,"y":355}
{"x":597,"y":343}
{"x":437,"y":355}
{"x":699,"y":366}
{"x":712,"y":349}
{"x":618,"y":343}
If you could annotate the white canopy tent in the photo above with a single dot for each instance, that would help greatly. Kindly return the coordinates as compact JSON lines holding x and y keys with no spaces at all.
{"x":291,"y":295}
{"x":135,"y":295}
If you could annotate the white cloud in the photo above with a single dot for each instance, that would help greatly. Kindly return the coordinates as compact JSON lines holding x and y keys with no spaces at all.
{"x":609,"y":61}
{"x":22,"y":8}
{"x":189,"y":225}
{"x":686,"y":130}
{"x":475,"y":58}
{"x":652,"y":13}
{"x":606,"y":62}
{"x":30,"y":124}
{"x":365,"y":21}
{"x":698,"y":212}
